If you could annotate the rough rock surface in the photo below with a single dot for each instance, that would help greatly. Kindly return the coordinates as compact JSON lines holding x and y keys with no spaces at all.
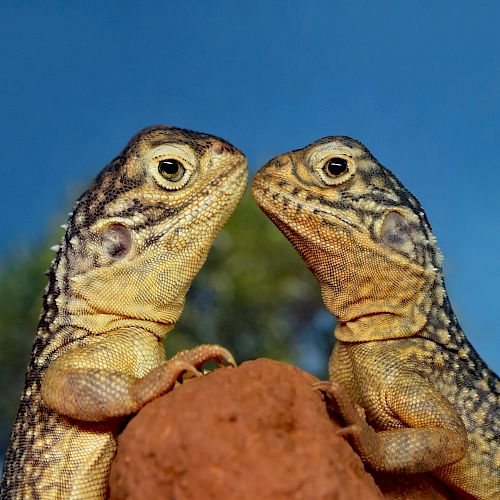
{"x":256,"y":431}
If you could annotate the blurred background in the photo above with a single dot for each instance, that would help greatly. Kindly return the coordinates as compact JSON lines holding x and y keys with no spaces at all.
{"x":417,"y":82}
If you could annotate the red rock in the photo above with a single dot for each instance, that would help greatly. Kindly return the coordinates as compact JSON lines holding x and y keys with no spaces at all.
{"x":254,"y":432}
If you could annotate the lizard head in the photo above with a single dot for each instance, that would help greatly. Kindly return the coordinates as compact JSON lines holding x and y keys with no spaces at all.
{"x":362,"y":234}
{"x":140,"y":234}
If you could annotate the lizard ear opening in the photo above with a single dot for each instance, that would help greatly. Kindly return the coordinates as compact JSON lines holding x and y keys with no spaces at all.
{"x":116,"y":241}
{"x":398,"y":233}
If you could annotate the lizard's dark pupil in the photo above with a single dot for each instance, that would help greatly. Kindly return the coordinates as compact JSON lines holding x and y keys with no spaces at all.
{"x":336,"y":166}
{"x":169,"y":168}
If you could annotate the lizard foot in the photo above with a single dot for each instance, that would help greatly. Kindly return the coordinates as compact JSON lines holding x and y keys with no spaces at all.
{"x":353,"y":430}
{"x":201,"y":354}
{"x":162,"y":380}
{"x":357,"y":431}
{"x":338,"y":400}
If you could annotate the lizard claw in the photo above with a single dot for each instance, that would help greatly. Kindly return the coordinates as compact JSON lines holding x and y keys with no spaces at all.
{"x":339,"y":401}
{"x":331,"y":390}
{"x":350,"y":430}
{"x":322,"y":386}
{"x":183,"y":370}
{"x":191,"y":372}
{"x":225,"y":359}
{"x":199,"y":355}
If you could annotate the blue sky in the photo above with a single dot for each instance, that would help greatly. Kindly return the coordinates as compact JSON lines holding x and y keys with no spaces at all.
{"x":417,"y":82}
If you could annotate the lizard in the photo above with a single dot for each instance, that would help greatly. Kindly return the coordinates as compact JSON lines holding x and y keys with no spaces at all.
{"x":412,"y":391}
{"x":132,"y":246}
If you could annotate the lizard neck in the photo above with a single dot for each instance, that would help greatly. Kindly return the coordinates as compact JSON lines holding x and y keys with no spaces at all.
{"x":51,"y":334}
{"x":67,"y":318}
{"x":427,"y":314}
{"x":442,"y":326}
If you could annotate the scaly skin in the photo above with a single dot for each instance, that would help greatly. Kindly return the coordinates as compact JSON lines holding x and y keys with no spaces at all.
{"x":414,"y":393}
{"x":133,"y":245}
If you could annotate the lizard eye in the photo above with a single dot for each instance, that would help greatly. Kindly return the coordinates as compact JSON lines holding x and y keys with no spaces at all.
{"x":171,"y":170}
{"x":334,"y":170}
{"x":172,"y":165}
{"x":334,"y":167}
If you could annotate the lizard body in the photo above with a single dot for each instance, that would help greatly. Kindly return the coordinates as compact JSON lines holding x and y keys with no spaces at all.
{"x":134,"y":243}
{"x":414,"y":393}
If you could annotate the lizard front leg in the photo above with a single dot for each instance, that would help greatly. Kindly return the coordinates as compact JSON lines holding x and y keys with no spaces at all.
{"x":433,"y":434}
{"x":118,"y":375}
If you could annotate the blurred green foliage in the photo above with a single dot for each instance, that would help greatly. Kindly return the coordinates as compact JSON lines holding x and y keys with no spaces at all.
{"x":254,"y":295}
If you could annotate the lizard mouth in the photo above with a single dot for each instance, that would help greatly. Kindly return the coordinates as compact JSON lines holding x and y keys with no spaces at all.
{"x":229,"y":184}
{"x":283,"y":208}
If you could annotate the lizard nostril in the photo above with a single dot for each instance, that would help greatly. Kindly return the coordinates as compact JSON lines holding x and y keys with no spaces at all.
{"x":217,"y":147}
{"x":281,"y":162}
